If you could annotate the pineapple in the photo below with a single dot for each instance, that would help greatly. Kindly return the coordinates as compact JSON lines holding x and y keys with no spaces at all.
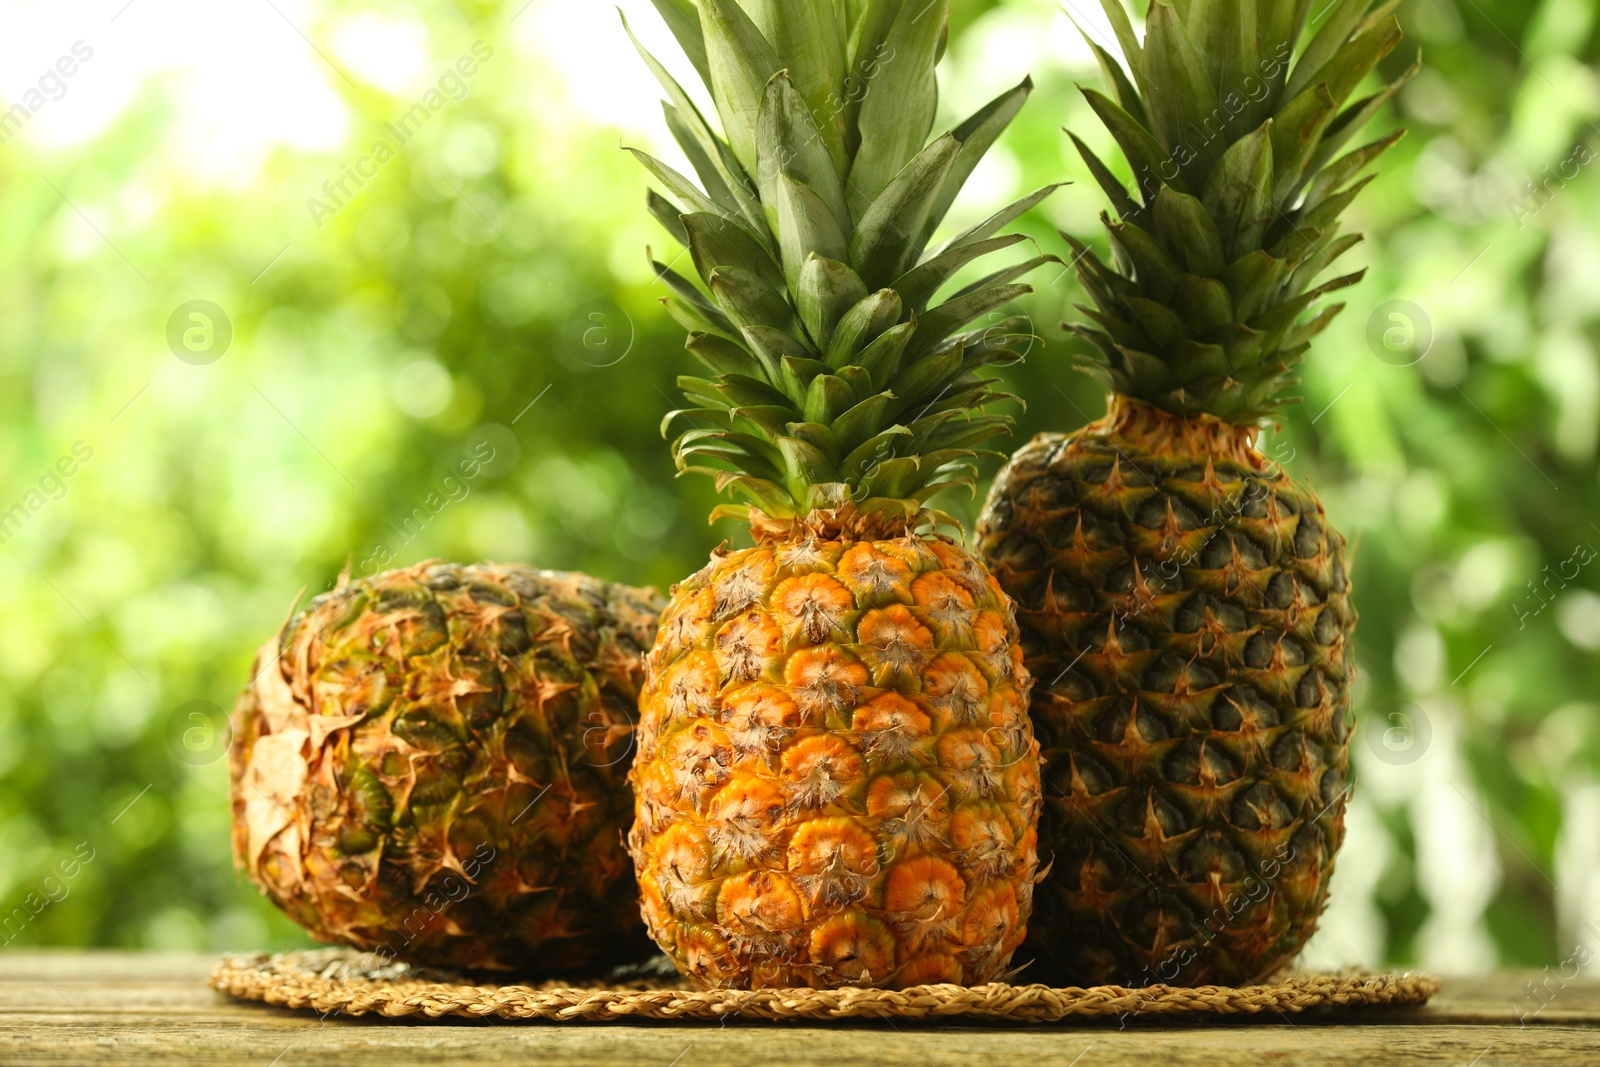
{"x":1184,"y":602}
{"x":836,"y":780}
{"x":430,"y":764}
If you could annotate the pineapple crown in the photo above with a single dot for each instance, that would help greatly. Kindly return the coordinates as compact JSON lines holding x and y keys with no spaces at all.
{"x":1233,"y":141}
{"x":840,"y":387}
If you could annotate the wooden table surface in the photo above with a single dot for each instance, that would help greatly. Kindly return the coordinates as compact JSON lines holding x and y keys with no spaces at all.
{"x":125,"y":1008}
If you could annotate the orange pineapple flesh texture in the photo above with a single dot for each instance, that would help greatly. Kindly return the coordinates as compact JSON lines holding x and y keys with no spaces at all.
{"x":836,"y":780}
{"x":1185,"y":608}
{"x":430,"y":764}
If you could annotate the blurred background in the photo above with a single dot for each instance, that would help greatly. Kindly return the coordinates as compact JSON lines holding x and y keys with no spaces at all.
{"x":236,"y":344}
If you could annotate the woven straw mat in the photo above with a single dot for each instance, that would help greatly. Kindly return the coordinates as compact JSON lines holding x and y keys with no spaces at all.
{"x":354,"y":983}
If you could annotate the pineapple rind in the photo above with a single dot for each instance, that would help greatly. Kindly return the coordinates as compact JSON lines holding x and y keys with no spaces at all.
{"x":430,"y":764}
{"x":1186,"y":608}
{"x":836,"y":780}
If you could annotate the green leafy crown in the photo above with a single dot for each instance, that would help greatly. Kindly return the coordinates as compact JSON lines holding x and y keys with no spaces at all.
{"x":837,"y":380}
{"x":1233,"y":140}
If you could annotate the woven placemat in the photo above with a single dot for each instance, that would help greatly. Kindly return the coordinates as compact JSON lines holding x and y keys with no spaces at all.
{"x":355,"y":983}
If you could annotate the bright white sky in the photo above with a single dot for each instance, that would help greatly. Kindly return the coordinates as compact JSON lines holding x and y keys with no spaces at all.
{"x":244,"y":80}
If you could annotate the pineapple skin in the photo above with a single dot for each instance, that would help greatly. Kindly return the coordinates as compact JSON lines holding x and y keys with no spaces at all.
{"x":837,"y":783}
{"x":430,"y":764}
{"x":1185,"y":607}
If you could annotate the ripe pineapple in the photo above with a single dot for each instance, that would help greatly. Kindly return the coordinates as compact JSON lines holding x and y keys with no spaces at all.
{"x":1183,"y":601}
{"x":429,"y":764}
{"x":836,"y":781}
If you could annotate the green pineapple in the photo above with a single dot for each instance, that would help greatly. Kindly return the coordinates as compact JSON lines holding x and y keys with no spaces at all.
{"x":1184,"y":603}
{"x":431,"y":764}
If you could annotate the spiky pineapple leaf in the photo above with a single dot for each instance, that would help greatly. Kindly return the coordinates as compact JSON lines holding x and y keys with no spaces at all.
{"x":787,"y":137}
{"x":809,"y":228}
{"x":683,"y":19}
{"x":1233,"y":129}
{"x":898,"y":100}
{"x":730,"y":174}
{"x":827,"y":290}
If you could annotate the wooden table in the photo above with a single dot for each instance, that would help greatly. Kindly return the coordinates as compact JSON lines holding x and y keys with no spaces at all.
{"x":124,"y":1008}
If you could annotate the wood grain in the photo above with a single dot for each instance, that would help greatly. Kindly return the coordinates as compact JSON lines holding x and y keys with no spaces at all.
{"x":123,"y":1008}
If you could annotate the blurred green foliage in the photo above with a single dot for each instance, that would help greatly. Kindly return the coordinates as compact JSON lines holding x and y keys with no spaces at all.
{"x":498,"y":262}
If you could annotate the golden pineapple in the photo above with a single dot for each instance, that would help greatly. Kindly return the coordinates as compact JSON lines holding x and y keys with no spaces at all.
{"x":836,"y":781}
{"x":1183,"y":601}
